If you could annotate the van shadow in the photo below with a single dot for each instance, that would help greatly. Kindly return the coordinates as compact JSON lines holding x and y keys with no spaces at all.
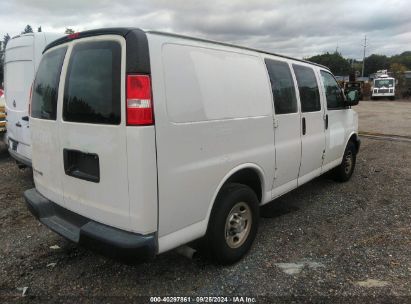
{"x":3,"y":150}
{"x":296,"y":199}
{"x":287,"y":204}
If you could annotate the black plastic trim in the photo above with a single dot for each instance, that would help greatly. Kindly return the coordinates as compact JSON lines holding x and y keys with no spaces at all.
{"x":108,"y":240}
{"x":137,"y":53}
{"x":82,"y":165}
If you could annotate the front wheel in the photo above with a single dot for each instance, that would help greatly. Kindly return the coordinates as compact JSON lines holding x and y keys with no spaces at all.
{"x":343,"y":172}
{"x":233,"y":224}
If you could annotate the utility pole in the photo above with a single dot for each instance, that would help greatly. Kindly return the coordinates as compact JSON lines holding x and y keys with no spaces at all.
{"x":363,"y":57}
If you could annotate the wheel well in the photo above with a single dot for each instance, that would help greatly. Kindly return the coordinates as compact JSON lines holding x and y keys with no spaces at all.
{"x":354,"y":139}
{"x":248,"y":177}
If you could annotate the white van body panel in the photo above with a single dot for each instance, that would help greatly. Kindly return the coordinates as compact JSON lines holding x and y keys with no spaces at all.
{"x":207,"y":131}
{"x":22,"y":57}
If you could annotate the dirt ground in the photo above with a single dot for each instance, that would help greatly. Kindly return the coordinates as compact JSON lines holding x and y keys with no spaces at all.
{"x":326,"y":241}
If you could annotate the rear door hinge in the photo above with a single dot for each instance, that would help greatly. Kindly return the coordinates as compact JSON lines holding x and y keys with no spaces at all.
{"x":275,"y":122}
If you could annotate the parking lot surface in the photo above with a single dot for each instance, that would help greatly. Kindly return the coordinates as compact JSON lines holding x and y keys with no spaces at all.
{"x":324,"y":240}
{"x":385,"y":117}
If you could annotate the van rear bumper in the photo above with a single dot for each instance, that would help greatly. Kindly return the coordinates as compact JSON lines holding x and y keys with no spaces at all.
{"x":20,"y":158}
{"x":108,"y":240}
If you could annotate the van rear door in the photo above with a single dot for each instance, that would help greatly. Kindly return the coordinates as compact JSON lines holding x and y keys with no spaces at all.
{"x":93,"y":143}
{"x":45,"y":126}
{"x":19,"y":74}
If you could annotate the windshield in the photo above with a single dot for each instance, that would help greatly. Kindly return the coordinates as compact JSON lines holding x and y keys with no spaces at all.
{"x":379,"y":83}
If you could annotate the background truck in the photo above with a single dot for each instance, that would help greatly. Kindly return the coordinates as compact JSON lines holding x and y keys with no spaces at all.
{"x":383,"y":86}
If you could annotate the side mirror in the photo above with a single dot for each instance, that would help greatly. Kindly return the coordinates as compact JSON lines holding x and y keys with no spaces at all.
{"x":353,"y":98}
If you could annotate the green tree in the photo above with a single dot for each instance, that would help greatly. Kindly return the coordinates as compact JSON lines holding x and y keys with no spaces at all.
{"x":69,"y":31}
{"x":374,"y":62}
{"x":3,"y":45}
{"x":335,"y":62}
{"x":27,"y":29}
{"x":403,"y":58}
{"x":398,"y":71}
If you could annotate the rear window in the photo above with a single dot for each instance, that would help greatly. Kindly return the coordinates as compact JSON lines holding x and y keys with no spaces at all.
{"x":92,"y":91}
{"x":46,"y":85}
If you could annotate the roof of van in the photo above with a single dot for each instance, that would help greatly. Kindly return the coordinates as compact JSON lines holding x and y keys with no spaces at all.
{"x":123,"y":31}
{"x":36,"y":35}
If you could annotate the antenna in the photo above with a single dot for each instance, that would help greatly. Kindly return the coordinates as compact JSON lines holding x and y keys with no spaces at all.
{"x":363,"y":58}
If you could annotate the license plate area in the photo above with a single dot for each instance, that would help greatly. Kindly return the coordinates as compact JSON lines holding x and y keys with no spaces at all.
{"x":13,"y":144}
{"x":85,"y":166}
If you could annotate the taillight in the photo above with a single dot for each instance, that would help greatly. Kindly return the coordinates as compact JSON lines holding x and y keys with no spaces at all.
{"x":73,"y":36}
{"x":139,"y":102}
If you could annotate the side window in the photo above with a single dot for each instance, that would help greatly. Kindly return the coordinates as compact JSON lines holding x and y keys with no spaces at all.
{"x":308,"y":88}
{"x":46,"y":85}
{"x":335,"y":99}
{"x":282,"y":85}
{"x":92,"y":92}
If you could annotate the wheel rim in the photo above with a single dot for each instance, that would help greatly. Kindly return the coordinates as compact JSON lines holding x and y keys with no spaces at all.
{"x":238,"y":225}
{"x":348,"y":162}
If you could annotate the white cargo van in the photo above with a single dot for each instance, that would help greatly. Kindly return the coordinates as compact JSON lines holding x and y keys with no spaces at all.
{"x":144,"y":141}
{"x":22,"y":57}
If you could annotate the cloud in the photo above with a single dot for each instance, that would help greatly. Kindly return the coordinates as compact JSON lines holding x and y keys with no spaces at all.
{"x":293,"y":28}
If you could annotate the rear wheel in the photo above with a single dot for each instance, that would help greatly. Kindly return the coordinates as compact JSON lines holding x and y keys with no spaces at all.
{"x":343,"y":172}
{"x":233,"y":224}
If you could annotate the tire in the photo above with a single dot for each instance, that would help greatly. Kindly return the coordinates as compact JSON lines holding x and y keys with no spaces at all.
{"x":392,"y":98}
{"x":343,"y":172}
{"x":234,"y":200}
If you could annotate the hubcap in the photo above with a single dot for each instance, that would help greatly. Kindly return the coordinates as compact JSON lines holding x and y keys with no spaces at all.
{"x":238,"y":225}
{"x":348,"y":162}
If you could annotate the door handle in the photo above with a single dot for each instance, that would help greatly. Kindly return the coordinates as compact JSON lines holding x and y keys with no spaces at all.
{"x":326,"y":121}
{"x":304,"y":126}
{"x":18,"y":124}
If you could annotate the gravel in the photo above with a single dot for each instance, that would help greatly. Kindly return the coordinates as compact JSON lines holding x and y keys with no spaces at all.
{"x":325,"y":240}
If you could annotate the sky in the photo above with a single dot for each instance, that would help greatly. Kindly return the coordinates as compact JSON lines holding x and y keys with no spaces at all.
{"x":295,"y":28}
